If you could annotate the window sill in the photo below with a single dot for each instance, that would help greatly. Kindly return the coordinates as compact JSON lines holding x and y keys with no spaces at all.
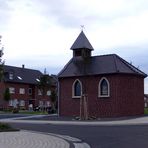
{"x":104,"y":96}
{"x":76,"y":97}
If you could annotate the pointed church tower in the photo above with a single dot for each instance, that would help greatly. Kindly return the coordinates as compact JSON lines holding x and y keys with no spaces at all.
{"x":82,"y":46}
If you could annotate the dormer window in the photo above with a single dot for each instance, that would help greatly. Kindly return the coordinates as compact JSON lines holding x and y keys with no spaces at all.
{"x":38,"y":80}
{"x":11,"y":76}
{"x":20,"y":78}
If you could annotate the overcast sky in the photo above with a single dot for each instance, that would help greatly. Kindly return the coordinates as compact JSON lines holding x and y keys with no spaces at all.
{"x":39,"y":33}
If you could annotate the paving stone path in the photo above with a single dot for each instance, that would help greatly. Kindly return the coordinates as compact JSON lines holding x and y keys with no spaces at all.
{"x":24,"y":139}
{"x":30,"y":139}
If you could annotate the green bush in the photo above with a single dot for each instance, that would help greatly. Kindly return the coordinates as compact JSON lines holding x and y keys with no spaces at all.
{"x":15,"y":110}
{"x":146,"y":111}
{"x":4,"y":127}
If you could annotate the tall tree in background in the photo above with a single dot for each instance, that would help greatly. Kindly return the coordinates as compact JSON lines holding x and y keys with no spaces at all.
{"x":53,"y":99}
{"x":1,"y":61}
{"x":44,"y":84}
{"x":7,"y":96}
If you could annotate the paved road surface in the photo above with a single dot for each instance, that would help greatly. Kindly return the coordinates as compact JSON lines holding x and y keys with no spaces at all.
{"x":98,"y":136}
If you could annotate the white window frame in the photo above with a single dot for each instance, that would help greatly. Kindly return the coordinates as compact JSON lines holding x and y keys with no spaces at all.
{"x":41,"y":103}
{"x":49,"y":93}
{"x":21,"y":103}
{"x":11,"y":76}
{"x":99,"y":88}
{"x":22,"y":91}
{"x":11,"y":102}
{"x":73,"y":89}
{"x":12,"y":90}
{"x":39,"y":92}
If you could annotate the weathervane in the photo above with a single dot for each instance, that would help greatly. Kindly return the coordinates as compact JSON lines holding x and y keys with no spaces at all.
{"x":82,"y":27}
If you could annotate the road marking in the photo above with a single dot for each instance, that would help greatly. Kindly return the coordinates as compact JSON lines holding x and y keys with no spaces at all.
{"x":81,"y":145}
{"x":75,"y":141}
{"x":66,"y":137}
{"x":26,"y":139}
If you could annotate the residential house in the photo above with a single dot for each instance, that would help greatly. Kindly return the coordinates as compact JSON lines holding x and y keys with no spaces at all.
{"x":23,"y":87}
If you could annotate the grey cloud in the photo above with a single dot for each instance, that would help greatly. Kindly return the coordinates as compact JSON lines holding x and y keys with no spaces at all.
{"x":5,"y":13}
{"x":70,"y":16}
{"x":137,"y":55}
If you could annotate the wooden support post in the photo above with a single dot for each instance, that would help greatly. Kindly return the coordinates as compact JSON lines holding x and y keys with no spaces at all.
{"x":81,"y":106}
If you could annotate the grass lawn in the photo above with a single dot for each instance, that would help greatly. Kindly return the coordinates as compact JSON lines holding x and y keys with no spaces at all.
{"x":26,"y":112}
{"x":145,"y":111}
{"x":4,"y":127}
{"x":33,"y":112}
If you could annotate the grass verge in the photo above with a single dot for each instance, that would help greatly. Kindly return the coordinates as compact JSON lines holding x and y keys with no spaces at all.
{"x":145,"y":111}
{"x":33,"y":112}
{"x":4,"y":127}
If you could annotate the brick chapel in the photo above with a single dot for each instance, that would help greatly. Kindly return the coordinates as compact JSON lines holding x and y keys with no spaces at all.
{"x":114,"y":87}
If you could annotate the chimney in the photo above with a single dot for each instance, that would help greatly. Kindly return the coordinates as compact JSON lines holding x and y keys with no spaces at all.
{"x":23,"y":66}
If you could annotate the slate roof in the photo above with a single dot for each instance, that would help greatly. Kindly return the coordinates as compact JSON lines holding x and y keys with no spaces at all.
{"x":81,"y":42}
{"x":97,"y":65}
{"x":21,"y":75}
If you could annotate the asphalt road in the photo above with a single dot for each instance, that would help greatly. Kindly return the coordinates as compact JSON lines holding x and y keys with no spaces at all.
{"x":9,"y":115}
{"x":97,"y":136}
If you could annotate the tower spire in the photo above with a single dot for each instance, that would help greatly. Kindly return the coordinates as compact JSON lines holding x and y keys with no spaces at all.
{"x":82,"y":46}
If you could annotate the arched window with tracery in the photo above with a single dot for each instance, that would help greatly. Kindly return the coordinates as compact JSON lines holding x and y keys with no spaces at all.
{"x":77,"y":89}
{"x":104,"y":88}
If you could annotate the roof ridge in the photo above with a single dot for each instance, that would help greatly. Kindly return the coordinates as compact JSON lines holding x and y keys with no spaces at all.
{"x":64,"y":68}
{"x":103,"y":55}
{"x":22,"y":68}
{"x":114,"y":56}
{"x":133,"y":68}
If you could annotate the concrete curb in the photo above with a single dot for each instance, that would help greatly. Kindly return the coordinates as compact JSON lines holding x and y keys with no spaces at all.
{"x":136,"y":121}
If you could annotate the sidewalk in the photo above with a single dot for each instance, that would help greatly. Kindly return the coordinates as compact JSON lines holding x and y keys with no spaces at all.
{"x":30,"y":139}
{"x":25,"y":139}
{"x":39,"y":119}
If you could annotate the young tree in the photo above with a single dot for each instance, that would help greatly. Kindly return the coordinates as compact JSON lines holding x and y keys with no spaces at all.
{"x":44,"y":84}
{"x":7,"y":96}
{"x":1,"y":61}
{"x":53,"y":99}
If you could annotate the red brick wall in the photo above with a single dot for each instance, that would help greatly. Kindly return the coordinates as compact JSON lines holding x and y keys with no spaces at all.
{"x":126,"y":96}
{"x":2,"y":88}
{"x":26,"y":97}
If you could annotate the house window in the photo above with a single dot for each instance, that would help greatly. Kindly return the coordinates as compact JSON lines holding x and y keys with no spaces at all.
{"x":22,"y":103}
{"x":104,"y":88}
{"x":39,"y":92}
{"x":77,"y":89}
{"x":41,"y":103}
{"x":48,"y":92}
{"x":30,"y":91}
{"x":22,"y":91}
{"x":10,"y":102}
{"x":12,"y":90}
{"x":15,"y":103}
{"x":11,"y":76}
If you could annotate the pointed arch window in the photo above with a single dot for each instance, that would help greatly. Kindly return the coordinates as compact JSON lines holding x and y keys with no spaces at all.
{"x":104,"y":88}
{"x":77,"y":89}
